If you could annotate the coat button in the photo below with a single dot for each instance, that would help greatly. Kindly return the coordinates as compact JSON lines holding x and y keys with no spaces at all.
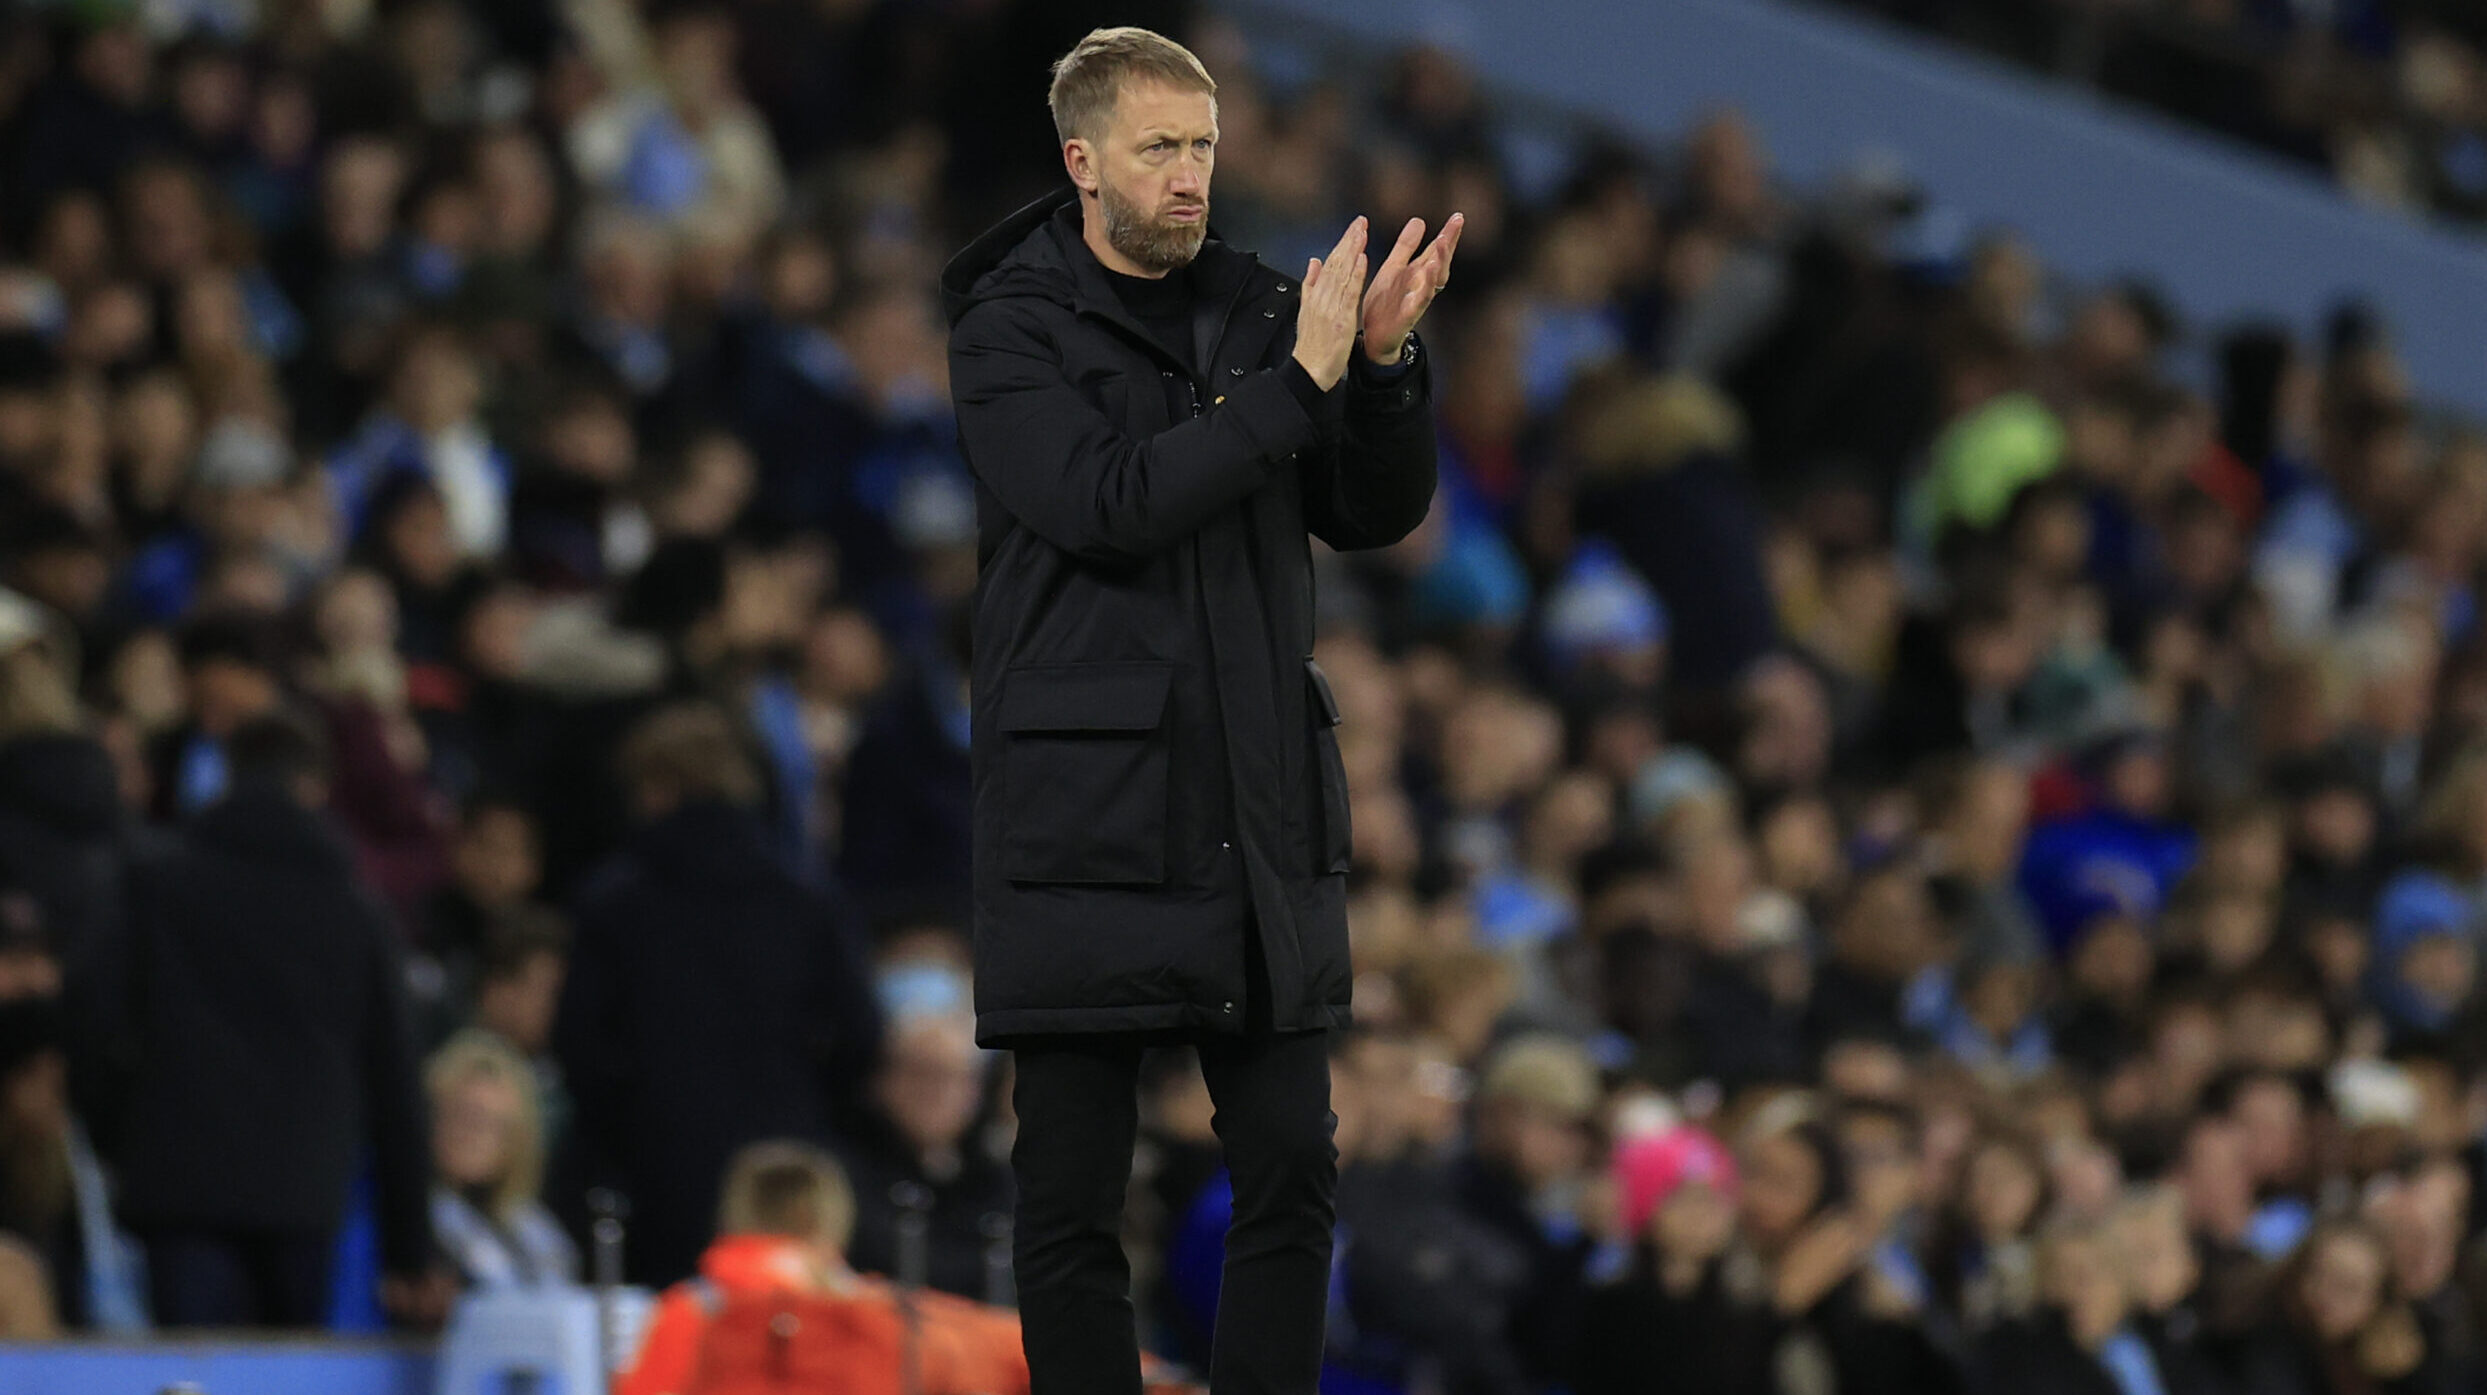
{"x":1236,"y":372}
{"x":1221,"y":397}
{"x":1227,"y":846}
{"x":1282,"y":288}
{"x":1269,"y":314}
{"x":1165,"y":372}
{"x":1226,"y":1007}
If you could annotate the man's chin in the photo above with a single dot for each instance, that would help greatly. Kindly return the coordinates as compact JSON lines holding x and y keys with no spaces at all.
{"x":1172,"y":249}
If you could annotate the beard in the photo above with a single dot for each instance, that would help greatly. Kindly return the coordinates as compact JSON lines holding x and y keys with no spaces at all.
{"x":1160,"y":244}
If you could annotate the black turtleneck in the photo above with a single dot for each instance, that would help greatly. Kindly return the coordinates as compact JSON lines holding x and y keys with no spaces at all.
{"x":1163,"y":304}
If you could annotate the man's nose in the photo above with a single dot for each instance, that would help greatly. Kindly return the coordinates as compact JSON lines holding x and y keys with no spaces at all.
{"x":1191,"y":175}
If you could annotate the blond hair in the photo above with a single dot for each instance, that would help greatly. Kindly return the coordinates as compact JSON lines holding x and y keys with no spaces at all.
{"x":1090,"y":78}
{"x":690,"y":751}
{"x":474,"y":1055}
{"x":789,"y":1189}
{"x":1647,"y":424}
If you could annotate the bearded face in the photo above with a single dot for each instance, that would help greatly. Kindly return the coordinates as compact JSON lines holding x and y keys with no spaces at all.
{"x":1162,"y":238}
{"x":1151,"y":167}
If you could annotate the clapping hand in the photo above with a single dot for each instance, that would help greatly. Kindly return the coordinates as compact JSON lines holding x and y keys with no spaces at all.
{"x":1405,"y":287}
{"x":1325,"y":328}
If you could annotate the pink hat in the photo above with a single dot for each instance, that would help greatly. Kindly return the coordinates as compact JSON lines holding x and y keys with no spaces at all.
{"x":1651,"y":1168}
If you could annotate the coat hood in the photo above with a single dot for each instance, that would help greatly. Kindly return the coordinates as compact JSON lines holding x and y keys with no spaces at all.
{"x":1008,"y":260}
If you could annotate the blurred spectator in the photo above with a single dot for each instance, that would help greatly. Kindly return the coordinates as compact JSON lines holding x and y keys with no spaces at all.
{"x":232,"y":672}
{"x":783,"y":1228}
{"x":2077,"y":1339}
{"x":525,"y":960}
{"x":674,"y":139}
{"x":1660,"y":477}
{"x":488,"y":1149}
{"x":496,"y":865}
{"x":429,"y":426}
{"x":1673,"y":1317}
{"x":711,"y":1000}
{"x":66,"y":1262}
{"x":1523,"y":1181}
{"x":927,"y":1102}
{"x":1831,"y":1309}
{"x":273,"y":1048}
{"x":62,"y":825}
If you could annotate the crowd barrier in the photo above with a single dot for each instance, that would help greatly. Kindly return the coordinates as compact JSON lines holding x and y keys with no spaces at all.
{"x":547,"y":1342}
{"x":214,"y":1366}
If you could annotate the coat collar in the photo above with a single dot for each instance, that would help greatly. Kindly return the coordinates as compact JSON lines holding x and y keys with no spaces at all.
{"x":1039,"y":251}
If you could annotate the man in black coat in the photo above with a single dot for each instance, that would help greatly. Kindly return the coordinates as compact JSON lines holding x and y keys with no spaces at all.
{"x":1156,"y":422}
{"x":712,"y":1001}
{"x":273,"y":1055}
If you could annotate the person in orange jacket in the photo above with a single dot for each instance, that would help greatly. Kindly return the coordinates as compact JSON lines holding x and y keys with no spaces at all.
{"x":783,"y":1228}
{"x":784,"y":1225}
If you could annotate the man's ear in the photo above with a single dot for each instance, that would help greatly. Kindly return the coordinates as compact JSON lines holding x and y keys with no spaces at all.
{"x":1081,"y":163}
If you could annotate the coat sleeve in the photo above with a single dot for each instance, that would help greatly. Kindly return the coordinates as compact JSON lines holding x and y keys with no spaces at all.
{"x":401,"y":1145}
{"x":844,"y":1013}
{"x":594,"y":1036}
{"x":1370,"y":484}
{"x":1067,"y":471}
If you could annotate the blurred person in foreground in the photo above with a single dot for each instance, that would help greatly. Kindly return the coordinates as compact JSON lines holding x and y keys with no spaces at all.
{"x":273,"y":1050}
{"x":787,"y":1215}
{"x":712,"y":1000}
{"x":1156,"y":421}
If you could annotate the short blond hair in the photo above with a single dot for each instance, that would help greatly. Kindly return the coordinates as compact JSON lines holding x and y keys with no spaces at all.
{"x":474,"y":1055}
{"x":1090,"y":78}
{"x":788,"y":1189}
{"x":690,"y":751}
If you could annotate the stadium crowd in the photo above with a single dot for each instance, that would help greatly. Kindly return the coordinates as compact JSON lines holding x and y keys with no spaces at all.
{"x":1916,"y":828}
{"x":2387,"y":96}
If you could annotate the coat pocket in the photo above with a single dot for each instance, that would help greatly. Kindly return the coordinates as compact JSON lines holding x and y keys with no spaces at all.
{"x":1084,"y":772}
{"x":1338,"y":844}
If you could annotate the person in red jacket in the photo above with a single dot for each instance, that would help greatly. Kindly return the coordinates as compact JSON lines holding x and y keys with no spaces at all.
{"x":784,"y":1224}
{"x":786,"y":1218}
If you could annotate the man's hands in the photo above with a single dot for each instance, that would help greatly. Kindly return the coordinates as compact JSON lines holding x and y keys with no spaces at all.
{"x":1403,"y":289}
{"x":1325,"y":327}
{"x":1337,"y":302}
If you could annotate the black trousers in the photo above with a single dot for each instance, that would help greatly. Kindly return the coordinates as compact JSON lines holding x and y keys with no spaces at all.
{"x":1078,"y":1104}
{"x":200,"y":1278}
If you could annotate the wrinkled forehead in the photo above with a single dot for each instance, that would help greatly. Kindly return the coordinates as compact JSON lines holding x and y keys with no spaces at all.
{"x":1149,"y":106}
